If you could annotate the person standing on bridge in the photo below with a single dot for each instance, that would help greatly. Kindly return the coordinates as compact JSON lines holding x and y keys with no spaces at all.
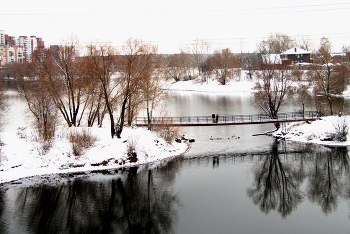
{"x":213,"y":117}
{"x":217,"y":118}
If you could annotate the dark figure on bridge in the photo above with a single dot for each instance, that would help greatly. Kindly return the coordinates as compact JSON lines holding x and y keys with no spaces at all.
{"x":217,"y":118}
{"x":213,"y":117}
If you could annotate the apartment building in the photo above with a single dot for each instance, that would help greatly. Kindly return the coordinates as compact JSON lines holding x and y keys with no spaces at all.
{"x":18,"y":49}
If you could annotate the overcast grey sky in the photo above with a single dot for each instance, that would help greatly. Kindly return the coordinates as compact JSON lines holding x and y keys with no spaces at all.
{"x":238,"y":25}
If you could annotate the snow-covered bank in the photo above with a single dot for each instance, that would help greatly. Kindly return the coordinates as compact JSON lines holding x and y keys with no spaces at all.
{"x":21,"y":155}
{"x":316,"y":132}
{"x":243,"y":87}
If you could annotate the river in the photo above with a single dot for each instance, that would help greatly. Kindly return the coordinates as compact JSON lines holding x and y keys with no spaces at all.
{"x":228,"y":182}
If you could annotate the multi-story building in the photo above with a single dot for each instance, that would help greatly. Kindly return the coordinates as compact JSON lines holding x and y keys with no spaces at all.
{"x":2,"y":37}
{"x":18,"y":49}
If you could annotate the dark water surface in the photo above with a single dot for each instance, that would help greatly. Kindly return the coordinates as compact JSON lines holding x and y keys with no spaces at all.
{"x":229,"y":182}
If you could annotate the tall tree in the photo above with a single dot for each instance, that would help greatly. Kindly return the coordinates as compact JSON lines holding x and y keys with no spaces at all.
{"x":41,"y":105}
{"x":276,"y":43}
{"x":222,"y":64}
{"x":153,"y":87}
{"x":200,"y":49}
{"x":71,"y":80}
{"x":273,"y":82}
{"x":305,"y":43}
{"x":327,"y":75}
{"x":135,"y":66}
{"x":101,"y":68}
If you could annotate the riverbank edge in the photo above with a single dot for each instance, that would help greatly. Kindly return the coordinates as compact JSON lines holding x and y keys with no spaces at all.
{"x":311,"y":133}
{"x":20,"y":170}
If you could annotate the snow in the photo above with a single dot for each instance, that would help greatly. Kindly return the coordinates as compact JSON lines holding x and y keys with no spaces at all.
{"x":315,"y":132}
{"x":242,"y":87}
{"x":21,"y":154}
{"x":296,"y":50}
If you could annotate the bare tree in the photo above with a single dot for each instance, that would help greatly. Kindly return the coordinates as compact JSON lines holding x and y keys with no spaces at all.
{"x":327,"y":75}
{"x":276,"y":44}
{"x":94,"y":98}
{"x":305,"y":43}
{"x":152,"y":87}
{"x":101,"y":68}
{"x":200,"y":50}
{"x":222,"y":64}
{"x":178,"y":66}
{"x":70,"y":100}
{"x":135,"y":66}
{"x":41,"y":105}
{"x":272,"y":84}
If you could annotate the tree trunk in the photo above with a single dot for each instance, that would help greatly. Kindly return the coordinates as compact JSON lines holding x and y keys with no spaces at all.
{"x":149,"y":126}
{"x":121,"y":119}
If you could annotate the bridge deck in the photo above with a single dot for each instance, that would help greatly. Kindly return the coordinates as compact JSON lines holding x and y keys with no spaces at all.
{"x":229,"y":120}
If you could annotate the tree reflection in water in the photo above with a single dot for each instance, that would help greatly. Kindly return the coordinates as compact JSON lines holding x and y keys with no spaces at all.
{"x":139,"y":200}
{"x":277,"y":183}
{"x":327,"y":178}
{"x":132,"y":205}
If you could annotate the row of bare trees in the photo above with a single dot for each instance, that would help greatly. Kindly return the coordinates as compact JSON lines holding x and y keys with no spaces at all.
{"x":103,"y":82}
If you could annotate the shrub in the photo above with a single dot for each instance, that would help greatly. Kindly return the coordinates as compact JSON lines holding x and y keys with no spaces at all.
{"x":131,"y":146}
{"x":341,"y":128}
{"x":167,"y":132}
{"x":81,"y":141}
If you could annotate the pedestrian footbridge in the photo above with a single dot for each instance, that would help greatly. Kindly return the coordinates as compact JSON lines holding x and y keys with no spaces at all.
{"x":228,"y":120}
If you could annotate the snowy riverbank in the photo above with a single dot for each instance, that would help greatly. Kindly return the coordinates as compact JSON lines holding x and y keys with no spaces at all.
{"x":21,"y":155}
{"x":243,"y":87}
{"x":316,"y":132}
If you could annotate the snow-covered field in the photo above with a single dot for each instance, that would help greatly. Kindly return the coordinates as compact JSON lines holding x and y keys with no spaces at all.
{"x":21,"y":155}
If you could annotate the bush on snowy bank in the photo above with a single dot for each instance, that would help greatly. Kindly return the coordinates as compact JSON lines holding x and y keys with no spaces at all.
{"x":167,"y":132}
{"x":131,"y":148}
{"x":341,"y":130}
{"x":329,"y":130}
{"x":81,"y":140}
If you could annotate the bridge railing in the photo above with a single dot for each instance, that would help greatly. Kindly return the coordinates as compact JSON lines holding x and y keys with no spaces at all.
{"x":227,"y":119}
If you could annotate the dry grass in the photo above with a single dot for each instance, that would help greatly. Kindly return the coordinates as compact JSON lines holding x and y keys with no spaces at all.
{"x":81,"y":141}
{"x":341,"y":128}
{"x":131,"y":148}
{"x":166,"y":131}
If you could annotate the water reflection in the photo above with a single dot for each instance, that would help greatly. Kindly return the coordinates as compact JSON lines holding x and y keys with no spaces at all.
{"x":135,"y":204}
{"x":149,"y":200}
{"x":277,"y":183}
{"x":327,"y":176}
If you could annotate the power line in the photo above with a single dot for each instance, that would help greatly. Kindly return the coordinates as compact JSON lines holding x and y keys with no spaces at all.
{"x":241,"y":11}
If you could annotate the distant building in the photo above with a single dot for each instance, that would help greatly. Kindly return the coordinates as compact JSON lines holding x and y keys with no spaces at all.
{"x":18,"y":49}
{"x":295,"y":56}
